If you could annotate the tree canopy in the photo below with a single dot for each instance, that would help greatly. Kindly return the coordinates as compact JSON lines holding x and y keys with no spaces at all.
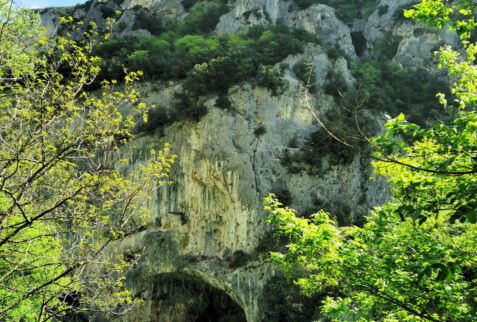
{"x":415,"y":258}
{"x":67,"y":193}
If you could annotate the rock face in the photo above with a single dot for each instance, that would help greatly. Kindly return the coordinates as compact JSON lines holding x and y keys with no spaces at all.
{"x":206,"y":241}
{"x":208,"y":224}
{"x":415,"y":43}
{"x":318,"y":19}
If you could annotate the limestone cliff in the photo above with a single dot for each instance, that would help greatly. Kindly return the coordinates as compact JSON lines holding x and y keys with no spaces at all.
{"x":206,"y":241}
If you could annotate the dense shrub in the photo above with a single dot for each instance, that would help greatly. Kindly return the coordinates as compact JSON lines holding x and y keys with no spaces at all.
{"x":276,"y":42}
{"x":386,"y":48}
{"x":259,"y":131}
{"x":285,"y":302}
{"x":120,"y":26}
{"x":157,"y":119}
{"x":207,"y":64}
{"x":201,"y":19}
{"x":223,"y":102}
{"x":304,"y":72}
{"x":85,"y":6}
{"x":321,"y":145}
{"x":118,"y":2}
{"x":398,"y":14}
{"x":389,"y":88}
{"x":335,"y":52}
{"x":270,"y":78}
{"x":384,"y":87}
{"x":107,"y":12}
{"x":149,"y":22}
{"x":187,"y":108}
{"x":335,"y":84}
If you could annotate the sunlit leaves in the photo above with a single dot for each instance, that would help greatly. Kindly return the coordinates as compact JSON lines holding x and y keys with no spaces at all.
{"x":389,"y":269}
{"x":415,"y":258}
{"x":65,"y":196}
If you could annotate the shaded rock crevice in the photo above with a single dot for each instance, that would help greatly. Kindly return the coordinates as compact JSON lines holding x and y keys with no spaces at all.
{"x":181,"y":297}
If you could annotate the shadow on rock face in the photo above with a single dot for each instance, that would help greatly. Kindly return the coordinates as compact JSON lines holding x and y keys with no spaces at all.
{"x":179,"y":297}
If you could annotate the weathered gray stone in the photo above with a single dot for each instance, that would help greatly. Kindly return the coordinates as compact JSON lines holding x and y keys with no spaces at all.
{"x":173,"y":8}
{"x":214,"y":207}
{"x":417,"y":42}
{"x":213,"y":212}
{"x":322,"y":21}
{"x":382,"y":19}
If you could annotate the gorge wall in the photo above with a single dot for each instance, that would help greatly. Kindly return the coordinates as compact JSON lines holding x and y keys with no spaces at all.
{"x":206,"y":243}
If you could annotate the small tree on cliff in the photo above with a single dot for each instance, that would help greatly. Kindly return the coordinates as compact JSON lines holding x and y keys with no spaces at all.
{"x":66,"y":193}
{"x":415,"y":258}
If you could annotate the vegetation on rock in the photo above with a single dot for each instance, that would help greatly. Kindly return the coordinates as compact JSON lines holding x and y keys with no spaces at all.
{"x":205,"y":63}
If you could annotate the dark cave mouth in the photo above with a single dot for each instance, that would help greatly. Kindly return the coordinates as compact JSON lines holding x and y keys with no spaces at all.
{"x":201,"y":301}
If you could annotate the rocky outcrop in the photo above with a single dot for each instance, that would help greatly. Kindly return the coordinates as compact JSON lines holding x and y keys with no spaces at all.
{"x":318,"y":19}
{"x":415,"y":44}
{"x":205,"y":241}
{"x":209,"y":224}
{"x":322,"y":21}
{"x":168,"y":9}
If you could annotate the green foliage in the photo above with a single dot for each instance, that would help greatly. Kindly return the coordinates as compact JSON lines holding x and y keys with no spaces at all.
{"x":446,"y":188}
{"x":269,"y":78}
{"x":205,"y":64}
{"x":107,"y":12}
{"x":223,"y":102}
{"x":336,"y":85}
{"x":117,"y":2}
{"x":38,"y":253}
{"x":386,"y":48}
{"x":65,"y":195}
{"x":208,"y":64}
{"x":389,"y":269}
{"x":304,"y":72}
{"x":415,"y":258}
{"x":259,"y":131}
{"x":398,"y":14}
{"x":285,"y":302}
{"x":389,"y":88}
{"x":187,"y":108}
{"x":149,"y":22}
{"x":238,"y":55}
{"x":121,"y":26}
{"x":320,"y":145}
{"x":85,"y":6}
{"x":335,"y":52}
{"x":201,"y":19}
{"x":157,"y":118}
{"x":380,"y":85}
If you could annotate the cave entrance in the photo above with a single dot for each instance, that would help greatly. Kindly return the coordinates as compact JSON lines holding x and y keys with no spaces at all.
{"x":359,"y":42}
{"x":180,"y":297}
